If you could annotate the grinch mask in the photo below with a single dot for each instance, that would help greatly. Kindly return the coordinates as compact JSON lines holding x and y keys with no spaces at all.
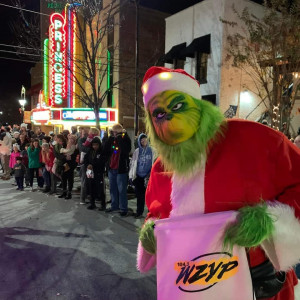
{"x":175,"y":116}
{"x":180,"y":127}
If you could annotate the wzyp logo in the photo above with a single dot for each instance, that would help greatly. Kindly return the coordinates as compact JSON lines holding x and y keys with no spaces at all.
{"x":206,"y":273}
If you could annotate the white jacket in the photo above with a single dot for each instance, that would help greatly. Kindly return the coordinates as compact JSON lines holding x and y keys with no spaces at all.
{"x":134,"y":160}
{"x":6,"y":144}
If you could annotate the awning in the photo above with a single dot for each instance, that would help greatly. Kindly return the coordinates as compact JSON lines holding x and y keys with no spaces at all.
{"x":174,"y":53}
{"x":200,"y":44}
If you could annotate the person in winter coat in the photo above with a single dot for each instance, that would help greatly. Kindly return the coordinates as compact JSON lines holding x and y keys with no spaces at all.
{"x":59,"y":161}
{"x":5,"y":149}
{"x":13,"y":157}
{"x":94,"y":162}
{"x":117,"y":148}
{"x":48,"y":161}
{"x":82,"y":173}
{"x":19,"y":171}
{"x":69,"y":166}
{"x":23,"y":141}
{"x":141,"y":164}
{"x":34,"y":163}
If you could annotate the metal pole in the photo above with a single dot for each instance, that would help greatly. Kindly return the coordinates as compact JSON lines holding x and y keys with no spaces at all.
{"x":136,"y":107}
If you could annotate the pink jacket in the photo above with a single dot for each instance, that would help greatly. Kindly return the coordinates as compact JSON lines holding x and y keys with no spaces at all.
{"x":13,"y":159}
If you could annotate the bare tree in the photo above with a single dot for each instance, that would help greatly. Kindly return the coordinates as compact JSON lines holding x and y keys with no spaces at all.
{"x":268,"y":50}
{"x":26,"y":32}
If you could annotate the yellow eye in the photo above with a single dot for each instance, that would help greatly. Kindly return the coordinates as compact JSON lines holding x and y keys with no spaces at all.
{"x":177,"y":106}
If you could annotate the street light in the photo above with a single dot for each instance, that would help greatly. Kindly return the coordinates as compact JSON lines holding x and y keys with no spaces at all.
{"x":22,"y":102}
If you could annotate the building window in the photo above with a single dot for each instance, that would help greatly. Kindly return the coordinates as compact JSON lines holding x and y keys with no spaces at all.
{"x":201,"y":67}
{"x":210,"y":98}
{"x":179,"y":63}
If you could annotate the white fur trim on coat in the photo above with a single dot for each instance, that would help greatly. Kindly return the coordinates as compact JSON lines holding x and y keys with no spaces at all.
{"x":283,"y":248}
{"x":167,"y":81}
{"x":187,"y":195}
{"x":145,"y":260}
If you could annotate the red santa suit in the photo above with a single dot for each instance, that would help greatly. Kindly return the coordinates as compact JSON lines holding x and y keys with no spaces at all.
{"x":252,"y":162}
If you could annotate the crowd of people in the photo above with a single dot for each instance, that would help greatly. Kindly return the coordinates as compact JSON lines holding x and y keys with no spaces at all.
{"x":53,"y":159}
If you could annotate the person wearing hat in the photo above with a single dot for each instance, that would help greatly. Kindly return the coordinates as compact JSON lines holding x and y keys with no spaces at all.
{"x":140,"y":167}
{"x":209,"y":166}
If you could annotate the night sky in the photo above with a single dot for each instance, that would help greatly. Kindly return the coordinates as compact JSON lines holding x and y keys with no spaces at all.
{"x":13,"y":73}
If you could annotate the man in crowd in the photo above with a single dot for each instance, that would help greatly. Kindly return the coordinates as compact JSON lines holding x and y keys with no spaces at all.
{"x":117,"y":148}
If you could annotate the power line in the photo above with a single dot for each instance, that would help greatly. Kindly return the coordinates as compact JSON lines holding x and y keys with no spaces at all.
{"x":15,"y":46}
{"x":30,"y":61}
{"x":19,"y":8}
{"x":14,"y":52}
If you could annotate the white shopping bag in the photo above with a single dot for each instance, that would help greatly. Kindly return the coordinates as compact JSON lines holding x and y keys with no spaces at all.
{"x":191,"y":263}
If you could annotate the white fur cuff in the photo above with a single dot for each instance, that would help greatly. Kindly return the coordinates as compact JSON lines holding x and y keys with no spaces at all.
{"x":283,"y":248}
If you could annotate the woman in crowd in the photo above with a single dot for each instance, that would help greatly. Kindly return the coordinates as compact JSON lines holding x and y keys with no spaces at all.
{"x":48,"y":160}
{"x":94,"y":162}
{"x":140,"y":167}
{"x":58,"y":166}
{"x":34,"y":163}
{"x":23,"y":141}
{"x":70,"y":154}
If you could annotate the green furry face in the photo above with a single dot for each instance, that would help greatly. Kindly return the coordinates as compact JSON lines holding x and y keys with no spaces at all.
{"x":204,"y":124}
{"x":175,"y":116}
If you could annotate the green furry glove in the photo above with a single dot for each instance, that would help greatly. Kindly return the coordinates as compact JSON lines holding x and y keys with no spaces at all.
{"x":254,"y":224}
{"x":147,"y":238}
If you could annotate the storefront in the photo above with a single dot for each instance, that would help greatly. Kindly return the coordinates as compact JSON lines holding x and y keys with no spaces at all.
{"x":57,"y":119}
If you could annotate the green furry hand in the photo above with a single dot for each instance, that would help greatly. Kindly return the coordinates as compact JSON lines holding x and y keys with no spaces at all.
{"x":254,"y":224}
{"x":147,"y":237}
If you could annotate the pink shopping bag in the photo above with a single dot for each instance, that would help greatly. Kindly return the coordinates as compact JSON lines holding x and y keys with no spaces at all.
{"x":191,"y":264}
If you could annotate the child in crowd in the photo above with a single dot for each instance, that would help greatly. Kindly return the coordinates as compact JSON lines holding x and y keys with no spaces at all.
{"x":92,"y":133}
{"x":19,"y":172}
{"x":13,"y":157}
{"x":48,"y":160}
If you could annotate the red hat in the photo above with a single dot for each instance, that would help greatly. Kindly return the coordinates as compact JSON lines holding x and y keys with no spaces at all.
{"x":160,"y":79}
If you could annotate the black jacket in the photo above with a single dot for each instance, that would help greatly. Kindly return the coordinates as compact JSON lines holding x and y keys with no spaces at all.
{"x":95,"y":158}
{"x":124,"y":143}
{"x":19,"y":170}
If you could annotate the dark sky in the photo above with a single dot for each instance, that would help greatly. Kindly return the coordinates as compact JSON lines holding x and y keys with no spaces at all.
{"x":13,"y":74}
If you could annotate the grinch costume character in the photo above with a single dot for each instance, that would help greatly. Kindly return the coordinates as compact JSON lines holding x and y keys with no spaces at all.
{"x":223,"y":194}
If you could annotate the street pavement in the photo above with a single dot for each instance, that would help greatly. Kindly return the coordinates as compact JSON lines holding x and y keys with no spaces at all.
{"x":52,"y":248}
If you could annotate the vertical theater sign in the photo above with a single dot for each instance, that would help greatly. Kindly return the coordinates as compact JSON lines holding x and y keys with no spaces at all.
{"x":57,"y":105}
{"x":57,"y":56}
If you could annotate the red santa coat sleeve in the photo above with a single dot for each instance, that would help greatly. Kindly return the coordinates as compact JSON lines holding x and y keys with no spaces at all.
{"x":158,"y":194}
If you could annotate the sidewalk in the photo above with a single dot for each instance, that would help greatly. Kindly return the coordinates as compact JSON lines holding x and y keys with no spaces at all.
{"x":128,"y":221}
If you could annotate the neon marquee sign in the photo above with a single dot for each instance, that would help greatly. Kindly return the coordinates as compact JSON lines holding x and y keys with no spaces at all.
{"x":57,"y":55}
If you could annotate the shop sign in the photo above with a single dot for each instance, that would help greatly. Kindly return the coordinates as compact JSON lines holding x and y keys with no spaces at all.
{"x":83,"y":115}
